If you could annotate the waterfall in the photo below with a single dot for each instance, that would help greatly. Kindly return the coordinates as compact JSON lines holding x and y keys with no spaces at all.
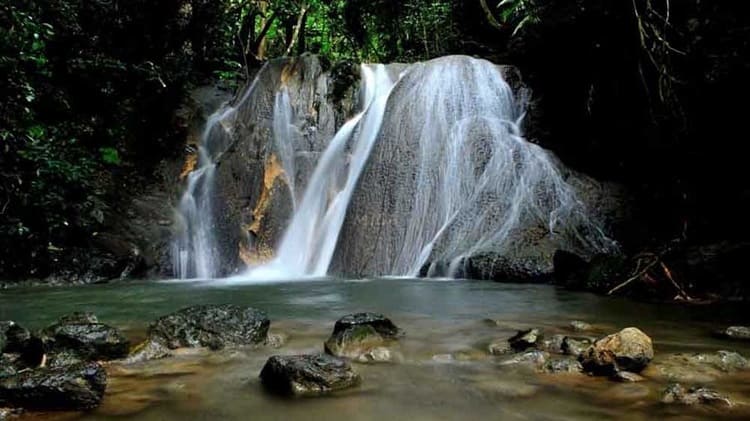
{"x":451,"y":177}
{"x":195,"y":251}
{"x":285,"y":135}
{"x":432,"y":171}
{"x":309,"y":242}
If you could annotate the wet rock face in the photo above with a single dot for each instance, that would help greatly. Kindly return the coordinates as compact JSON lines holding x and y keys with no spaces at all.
{"x":392,"y":189}
{"x":75,"y":387}
{"x":677,"y":394}
{"x":628,"y":350}
{"x":308,"y":375}
{"x":213,"y":326}
{"x":499,"y":268}
{"x":252,"y":208}
{"x":363,"y":337}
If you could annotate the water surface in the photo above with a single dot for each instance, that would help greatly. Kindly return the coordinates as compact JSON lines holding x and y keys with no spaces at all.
{"x":444,"y":371}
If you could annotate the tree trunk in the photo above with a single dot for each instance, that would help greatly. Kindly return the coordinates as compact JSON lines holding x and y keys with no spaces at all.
{"x":302,"y":43}
{"x":297,"y":29}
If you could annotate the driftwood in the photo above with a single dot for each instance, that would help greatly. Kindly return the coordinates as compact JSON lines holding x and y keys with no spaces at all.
{"x":649,"y":267}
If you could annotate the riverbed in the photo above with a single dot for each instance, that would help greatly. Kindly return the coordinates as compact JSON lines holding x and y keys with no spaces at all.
{"x":442,"y":369}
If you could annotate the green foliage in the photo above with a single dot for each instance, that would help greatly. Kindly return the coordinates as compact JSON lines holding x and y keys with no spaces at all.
{"x":519,"y":13}
{"x":88,"y":94}
{"x":110,"y":156}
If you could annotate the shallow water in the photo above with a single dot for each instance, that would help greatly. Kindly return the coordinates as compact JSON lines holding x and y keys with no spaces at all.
{"x":444,"y":371}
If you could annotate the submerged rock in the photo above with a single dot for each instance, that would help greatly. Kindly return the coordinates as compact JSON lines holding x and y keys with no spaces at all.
{"x":628,"y":350}
{"x":308,"y":375}
{"x":148,"y":350}
{"x":78,"y":318}
{"x":735,"y":332}
{"x":499,"y":347}
{"x":676,"y":393}
{"x":579,"y":326}
{"x":576,"y":346}
{"x":363,"y":337}
{"x":213,"y":326}
{"x":526,"y":339}
{"x":627,"y":377}
{"x":536,"y":359}
{"x":76,"y":387}
{"x":554,"y":344}
{"x":564,"y":365}
{"x":700,"y":367}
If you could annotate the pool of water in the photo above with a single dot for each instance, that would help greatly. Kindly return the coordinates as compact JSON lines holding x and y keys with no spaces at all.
{"x":443,"y":371}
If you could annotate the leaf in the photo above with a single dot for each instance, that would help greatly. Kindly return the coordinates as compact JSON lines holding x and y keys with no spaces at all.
{"x":110,"y":156}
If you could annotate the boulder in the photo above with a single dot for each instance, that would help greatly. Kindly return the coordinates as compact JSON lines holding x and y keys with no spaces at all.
{"x":363,"y":337}
{"x":499,"y":268}
{"x":564,"y":365}
{"x":213,"y":326}
{"x":75,"y":387}
{"x":735,"y":332}
{"x":677,"y":394}
{"x":380,"y":323}
{"x":308,"y":375}
{"x":80,"y":336}
{"x":628,"y":350}
{"x":526,"y":339}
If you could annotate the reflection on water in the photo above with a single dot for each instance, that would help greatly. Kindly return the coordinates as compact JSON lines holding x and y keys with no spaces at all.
{"x":445,"y":372}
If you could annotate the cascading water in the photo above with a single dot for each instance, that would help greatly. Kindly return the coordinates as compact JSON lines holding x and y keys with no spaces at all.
{"x":310,"y":240}
{"x":432,"y":171}
{"x":471,"y":182}
{"x":195,"y":251}
{"x":284,"y":135}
